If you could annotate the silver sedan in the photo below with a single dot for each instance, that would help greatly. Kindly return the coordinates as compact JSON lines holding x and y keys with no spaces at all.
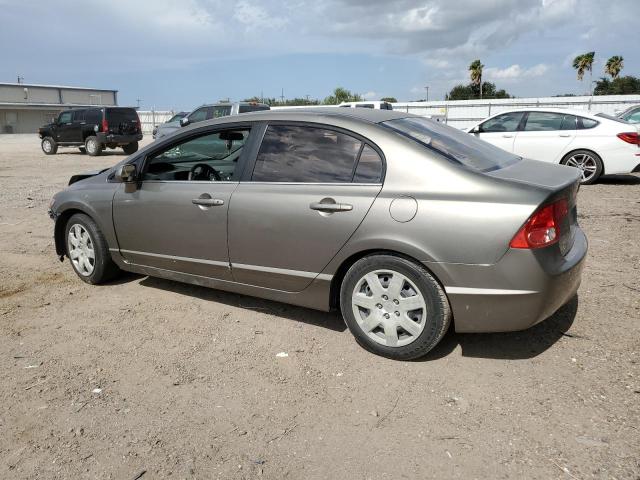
{"x":405,"y":225}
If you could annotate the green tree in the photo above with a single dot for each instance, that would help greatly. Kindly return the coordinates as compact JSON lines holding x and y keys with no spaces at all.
{"x":472,"y":92}
{"x":475,"y":72}
{"x":342,"y":95}
{"x":389,"y":99}
{"x":584,"y":63}
{"x":628,"y":85}
{"x":613,"y":66}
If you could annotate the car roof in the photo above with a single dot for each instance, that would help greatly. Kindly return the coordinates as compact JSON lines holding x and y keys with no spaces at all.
{"x":315,"y":114}
{"x":224,"y":104}
{"x":570,"y":111}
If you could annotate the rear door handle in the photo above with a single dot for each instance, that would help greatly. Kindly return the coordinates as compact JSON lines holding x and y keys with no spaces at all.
{"x":565,"y":135}
{"x":208,"y":202}
{"x":331,"y":207}
{"x":507,"y":136}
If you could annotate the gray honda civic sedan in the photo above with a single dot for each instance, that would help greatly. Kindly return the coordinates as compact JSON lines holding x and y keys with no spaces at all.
{"x":403,"y":224}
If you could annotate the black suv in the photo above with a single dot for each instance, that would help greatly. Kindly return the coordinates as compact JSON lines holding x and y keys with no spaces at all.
{"x":93,"y":129}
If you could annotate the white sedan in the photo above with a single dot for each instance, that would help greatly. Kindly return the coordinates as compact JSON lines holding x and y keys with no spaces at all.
{"x":595,"y":144}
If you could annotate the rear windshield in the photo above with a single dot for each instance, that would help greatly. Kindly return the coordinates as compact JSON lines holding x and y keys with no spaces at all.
{"x":455,"y":145}
{"x":611,"y":117}
{"x":252,"y":108}
{"x":119,"y":115}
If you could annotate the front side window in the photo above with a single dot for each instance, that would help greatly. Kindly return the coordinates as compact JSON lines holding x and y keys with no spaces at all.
{"x":543,"y":122}
{"x":453,"y":144}
{"x":65,"y":117}
{"x":507,"y":122}
{"x":305,"y":155}
{"x":211,"y":157}
{"x":199,"y":115}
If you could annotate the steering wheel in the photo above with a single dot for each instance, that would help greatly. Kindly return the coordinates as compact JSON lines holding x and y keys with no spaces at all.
{"x":202,"y":171}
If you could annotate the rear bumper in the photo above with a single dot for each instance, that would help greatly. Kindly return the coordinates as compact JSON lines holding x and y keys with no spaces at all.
{"x":625,"y":159}
{"x":118,"y":139}
{"x":522,"y":289}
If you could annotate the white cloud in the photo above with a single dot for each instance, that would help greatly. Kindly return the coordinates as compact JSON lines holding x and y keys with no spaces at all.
{"x":515,"y":72}
{"x":369,"y":95}
{"x":254,"y":16}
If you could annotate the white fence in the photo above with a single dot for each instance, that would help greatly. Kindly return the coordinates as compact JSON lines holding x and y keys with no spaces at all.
{"x":465,"y":113}
{"x":151,"y":118}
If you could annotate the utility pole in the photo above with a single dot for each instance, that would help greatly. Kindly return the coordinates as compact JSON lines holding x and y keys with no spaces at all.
{"x":282,"y":96}
{"x":20,"y":79}
{"x":427,"y":87}
{"x":138,"y":100}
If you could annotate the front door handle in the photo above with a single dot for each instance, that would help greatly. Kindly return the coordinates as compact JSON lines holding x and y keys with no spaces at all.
{"x":564,"y":135}
{"x":208,"y":202}
{"x":507,"y":136}
{"x":331,"y":207}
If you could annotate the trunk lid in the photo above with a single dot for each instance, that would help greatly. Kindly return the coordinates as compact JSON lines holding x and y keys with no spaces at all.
{"x":556,"y":182}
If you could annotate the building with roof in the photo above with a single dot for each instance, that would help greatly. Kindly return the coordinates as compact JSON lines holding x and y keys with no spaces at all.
{"x":25,"y":107}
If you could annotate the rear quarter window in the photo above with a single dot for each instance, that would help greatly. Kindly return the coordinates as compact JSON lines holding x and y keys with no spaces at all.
{"x":252,"y":108}
{"x":453,"y":144}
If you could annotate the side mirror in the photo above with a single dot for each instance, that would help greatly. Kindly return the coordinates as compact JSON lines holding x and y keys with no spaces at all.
{"x":184,"y":121}
{"x":476,"y":130}
{"x":126,"y":173}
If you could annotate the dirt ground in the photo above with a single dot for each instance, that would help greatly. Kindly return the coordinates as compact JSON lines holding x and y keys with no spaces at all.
{"x":154,"y":378}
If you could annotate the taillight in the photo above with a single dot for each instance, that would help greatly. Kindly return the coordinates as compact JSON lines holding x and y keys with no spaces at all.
{"x":630,"y":137}
{"x":139,"y":126}
{"x":543,"y":227}
{"x":105,"y":125}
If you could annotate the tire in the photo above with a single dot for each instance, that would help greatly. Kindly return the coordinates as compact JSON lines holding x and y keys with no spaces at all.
{"x":417,"y":330}
{"x":83,"y":238}
{"x":49,"y":146}
{"x":93,"y":147}
{"x":130,"y":148}
{"x":82,"y":149}
{"x":589,"y":163}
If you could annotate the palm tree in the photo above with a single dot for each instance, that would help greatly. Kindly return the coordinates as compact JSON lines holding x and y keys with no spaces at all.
{"x":584,"y":63}
{"x":613,"y":66}
{"x":475,"y":71}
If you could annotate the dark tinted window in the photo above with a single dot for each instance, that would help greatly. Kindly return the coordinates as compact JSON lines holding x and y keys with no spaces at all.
{"x":507,"y":122}
{"x":65,"y":117}
{"x":453,"y":144}
{"x":198,"y":115}
{"x":176,"y":117}
{"x":93,"y":116}
{"x":220,"y":111}
{"x":252,"y":108}
{"x":386,"y":106}
{"x":364,"y":105}
{"x":543,"y":121}
{"x":212,"y":157}
{"x":633,"y":117}
{"x":115,"y":116}
{"x":305,"y":154}
{"x":586,"y":123}
{"x":569,"y":122}
{"x":369,"y":169}
{"x":78,"y":115}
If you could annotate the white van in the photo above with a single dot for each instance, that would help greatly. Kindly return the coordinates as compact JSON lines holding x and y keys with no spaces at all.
{"x":377,"y":105}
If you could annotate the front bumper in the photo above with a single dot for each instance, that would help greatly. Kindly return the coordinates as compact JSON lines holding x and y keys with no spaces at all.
{"x":527,"y":286}
{"x":112,"y":138}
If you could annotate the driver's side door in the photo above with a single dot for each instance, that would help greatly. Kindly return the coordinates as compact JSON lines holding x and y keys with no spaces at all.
{"x":177,"y":217}
{"x":501,"y":130}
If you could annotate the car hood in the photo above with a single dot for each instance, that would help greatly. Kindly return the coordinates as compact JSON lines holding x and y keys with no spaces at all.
{"x":82,"y":176}
{"x":541,"y":174}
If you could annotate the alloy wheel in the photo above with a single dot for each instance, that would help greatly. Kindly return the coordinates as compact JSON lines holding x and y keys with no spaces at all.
{"x":389,"y":308}
{"x":586,"y":163}
{"x":81,"y":251}
{"x":46,"y":146}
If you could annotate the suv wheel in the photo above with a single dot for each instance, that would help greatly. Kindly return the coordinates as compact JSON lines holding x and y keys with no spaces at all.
{"x":394,"y":307}
{"x":49,"y":146}
{"x":88,"y":251}
{"x":93,"y":146}
{"x":130,"y":148}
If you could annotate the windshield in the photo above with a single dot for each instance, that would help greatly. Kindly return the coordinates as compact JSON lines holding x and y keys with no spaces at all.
{"x":177,"y":117}
{"x":611,"y":117}
{"x":455,"y":145}
{"x":118,"y":115}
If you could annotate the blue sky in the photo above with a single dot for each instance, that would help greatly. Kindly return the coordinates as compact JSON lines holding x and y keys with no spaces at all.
{"x":179,"y":54}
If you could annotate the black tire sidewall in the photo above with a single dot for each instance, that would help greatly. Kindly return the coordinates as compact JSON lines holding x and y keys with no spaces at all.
{"x":596,"y":157}
{"x":104,"y":268}
{"x":130,"y":148}
{"x":54,"y":146}
{"x":438,"y":311}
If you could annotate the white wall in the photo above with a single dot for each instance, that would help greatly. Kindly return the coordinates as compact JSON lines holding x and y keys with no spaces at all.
{"x":150,"y":118}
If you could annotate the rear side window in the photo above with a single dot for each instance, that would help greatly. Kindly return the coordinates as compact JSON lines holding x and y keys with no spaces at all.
{"x":93,"y":116}
{"x":78,"y":115}
{"x":569,"y":122}
{"x":223,"y":111}
{"x":586,"y":123}
{"x":543,"y":121}
{"x":457,"y":146}
{"x":252,"y":108}
{"x":306,"y":155}
{"x":365,"y":105}
{"x":507,"y":122}
{"x":369,"y":169}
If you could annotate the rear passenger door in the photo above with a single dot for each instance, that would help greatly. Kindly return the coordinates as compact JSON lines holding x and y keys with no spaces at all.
{"x":308,"y":191}
{"x":545,"y":136}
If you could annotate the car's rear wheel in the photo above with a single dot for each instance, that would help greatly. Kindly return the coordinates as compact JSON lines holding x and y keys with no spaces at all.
{"x":589,"y":164}
{"x":93,"y":146}
{"x":49,"y":146}
{"x":130,"y":148}
{"x":88,"y":251}
{"x":394,"y":307}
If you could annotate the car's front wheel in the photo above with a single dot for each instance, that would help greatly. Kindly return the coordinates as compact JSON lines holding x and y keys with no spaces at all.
{"x":130,"y":148}
{"x":93,"y":146}
{"x":88,"y":251}
{"x":394,"y":307}
{"x":49,"y":146}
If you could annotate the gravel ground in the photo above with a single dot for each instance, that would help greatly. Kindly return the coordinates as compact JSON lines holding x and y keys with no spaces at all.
{"x":154,"y":378}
